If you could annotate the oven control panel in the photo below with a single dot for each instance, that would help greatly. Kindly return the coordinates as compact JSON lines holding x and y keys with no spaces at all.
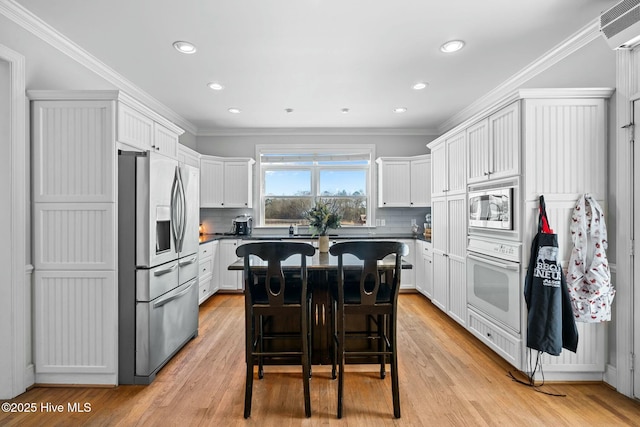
{"x":495,"y":248}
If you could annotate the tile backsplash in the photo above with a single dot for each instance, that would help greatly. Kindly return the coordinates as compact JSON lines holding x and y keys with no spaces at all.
{"x":396,"y":221}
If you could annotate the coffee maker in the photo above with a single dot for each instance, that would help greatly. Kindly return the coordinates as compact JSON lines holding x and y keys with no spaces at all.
{"x":242,"y":225}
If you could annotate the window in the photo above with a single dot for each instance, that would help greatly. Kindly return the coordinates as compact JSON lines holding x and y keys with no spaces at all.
{"x":291,"y":180}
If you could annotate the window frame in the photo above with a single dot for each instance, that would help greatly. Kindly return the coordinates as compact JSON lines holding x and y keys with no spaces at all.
{"x":338,"y":149}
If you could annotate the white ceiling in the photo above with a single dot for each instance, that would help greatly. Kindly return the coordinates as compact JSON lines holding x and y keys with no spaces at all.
{"x":317,"y":56}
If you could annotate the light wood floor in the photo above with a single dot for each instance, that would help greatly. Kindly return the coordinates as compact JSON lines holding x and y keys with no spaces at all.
{"x":446,"y":378}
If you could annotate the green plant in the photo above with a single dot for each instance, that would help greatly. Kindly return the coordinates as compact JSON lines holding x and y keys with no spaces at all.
{"x":323,"y":216}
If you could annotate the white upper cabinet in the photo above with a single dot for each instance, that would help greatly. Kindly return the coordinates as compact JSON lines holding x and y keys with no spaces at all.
{"x":134,"y":128}
{"x":404,"y":181}
{"x":421,"y":181}
{"x":225,"y":182}
{"x":238,"y":183}
{"x":187,"y":156}
{"x":394,"y":183}
{"x":504,"y":137}
{"x":478,"y":151}
{"x":140,"y":128}
{"x":448,"y":172}
{"x":165,"y":141}
{"x":211,"y":178}
{"x":494,"y":146}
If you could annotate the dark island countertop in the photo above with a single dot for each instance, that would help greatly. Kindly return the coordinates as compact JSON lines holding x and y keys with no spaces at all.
{"x":204,"y":238}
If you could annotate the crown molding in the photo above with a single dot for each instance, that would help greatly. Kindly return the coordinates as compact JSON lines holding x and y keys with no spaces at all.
{"x":316,"y":132}
{"x":578,"y":40}
{"x":515,"y":95}
{"x":30,"y":22}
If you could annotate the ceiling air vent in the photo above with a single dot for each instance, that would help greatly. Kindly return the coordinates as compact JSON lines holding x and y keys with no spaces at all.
{"x":620,"y":25}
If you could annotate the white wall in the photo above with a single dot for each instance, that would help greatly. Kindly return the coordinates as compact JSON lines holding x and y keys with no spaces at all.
{"x":189,"y":140}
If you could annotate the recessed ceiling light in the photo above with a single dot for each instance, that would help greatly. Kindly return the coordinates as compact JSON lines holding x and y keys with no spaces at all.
{"x":452,"y":46}
{"x":420,"y":85}
{"x":345,"y":111}
{"x":234,"y":110}
{"x":399,"y":109}
{"x":184,"y":47}
{"x":215,"y":86}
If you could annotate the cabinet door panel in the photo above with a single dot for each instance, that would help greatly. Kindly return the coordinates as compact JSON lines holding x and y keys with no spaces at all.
{"x":457,"y":300}
{"x":440,"y":281}
{"x":165,"y":141}
{"x":395,"y":183}
{"x":504,"y":134}
{"x":134,"y":128}
{"x":237,"y":185}
{"x":439,"y":225}
{"x":439,"y":171}
{"x":211,"y":178}
{"x":419,"y":267}
{"x":478,"y":152}
{"x":427,"y":287}
{"x":456,"y":160}
{"x":457,"y":227}
{"x":421,"y":183}
{"x":228,"y":280}
{"x":73,"y":151}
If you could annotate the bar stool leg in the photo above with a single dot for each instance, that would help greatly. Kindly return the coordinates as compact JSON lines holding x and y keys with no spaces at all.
{"x":341,"y":344}
{"x":306,"y":365}
{"x":395,"y":389}
{"x":249,"y":337}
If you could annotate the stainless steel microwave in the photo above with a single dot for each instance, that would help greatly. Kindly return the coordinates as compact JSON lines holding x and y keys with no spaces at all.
{"x":491,"y":208}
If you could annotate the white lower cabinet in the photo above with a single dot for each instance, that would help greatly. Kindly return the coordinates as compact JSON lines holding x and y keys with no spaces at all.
{"x":228,"y":280}
{"x":408,"y":281}
{"x":205,"y":276}
{"x":449,"y":256}
{"x":498,"y":339}
{"x":424,"y":268}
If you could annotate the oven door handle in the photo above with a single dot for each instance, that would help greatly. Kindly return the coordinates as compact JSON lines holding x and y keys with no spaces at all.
{"x":494,"y":263}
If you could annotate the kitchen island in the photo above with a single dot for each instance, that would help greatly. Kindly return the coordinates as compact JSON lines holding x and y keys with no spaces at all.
{"x":322,"y":270}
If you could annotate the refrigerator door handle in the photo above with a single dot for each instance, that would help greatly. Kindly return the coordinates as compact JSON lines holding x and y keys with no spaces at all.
{"x":188,"y":261}
{"x":164,"y":301}
{"x":165,"y":271}
{"x":183,"y":210}
{"x":174,"y":208}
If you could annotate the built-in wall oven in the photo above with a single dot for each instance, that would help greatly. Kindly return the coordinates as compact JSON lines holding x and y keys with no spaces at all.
{"x":493,"y":280}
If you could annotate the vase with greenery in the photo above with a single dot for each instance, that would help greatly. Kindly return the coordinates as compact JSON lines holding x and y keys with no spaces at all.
{"x":322,"y":217}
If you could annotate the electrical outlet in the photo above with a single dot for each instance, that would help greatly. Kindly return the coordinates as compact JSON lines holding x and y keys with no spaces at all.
{"x":382,"y":222}
{"x":413,"y":221}
{"x":379,"y":222}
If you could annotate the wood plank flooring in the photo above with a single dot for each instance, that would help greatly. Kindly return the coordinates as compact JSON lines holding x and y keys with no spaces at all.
{"x":447,"y":378}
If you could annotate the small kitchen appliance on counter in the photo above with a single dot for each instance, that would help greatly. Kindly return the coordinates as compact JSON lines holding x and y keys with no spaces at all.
{"x":242,"y":225}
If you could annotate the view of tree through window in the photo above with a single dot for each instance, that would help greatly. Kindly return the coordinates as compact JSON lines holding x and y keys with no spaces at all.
{"x":291,"y":183}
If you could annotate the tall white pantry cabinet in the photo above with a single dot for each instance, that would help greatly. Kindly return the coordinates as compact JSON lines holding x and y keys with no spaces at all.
{"x":75,"y":138}
{"x":553,"y":141}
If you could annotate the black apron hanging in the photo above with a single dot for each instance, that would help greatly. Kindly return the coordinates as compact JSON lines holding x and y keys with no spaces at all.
{"x":550,"y":323}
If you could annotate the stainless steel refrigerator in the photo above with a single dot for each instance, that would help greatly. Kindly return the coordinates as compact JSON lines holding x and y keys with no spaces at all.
{"x":158,"y":218}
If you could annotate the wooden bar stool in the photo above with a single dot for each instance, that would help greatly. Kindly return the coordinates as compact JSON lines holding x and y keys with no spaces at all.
{"x":269,"y":294}
{"x":373,"y":294}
